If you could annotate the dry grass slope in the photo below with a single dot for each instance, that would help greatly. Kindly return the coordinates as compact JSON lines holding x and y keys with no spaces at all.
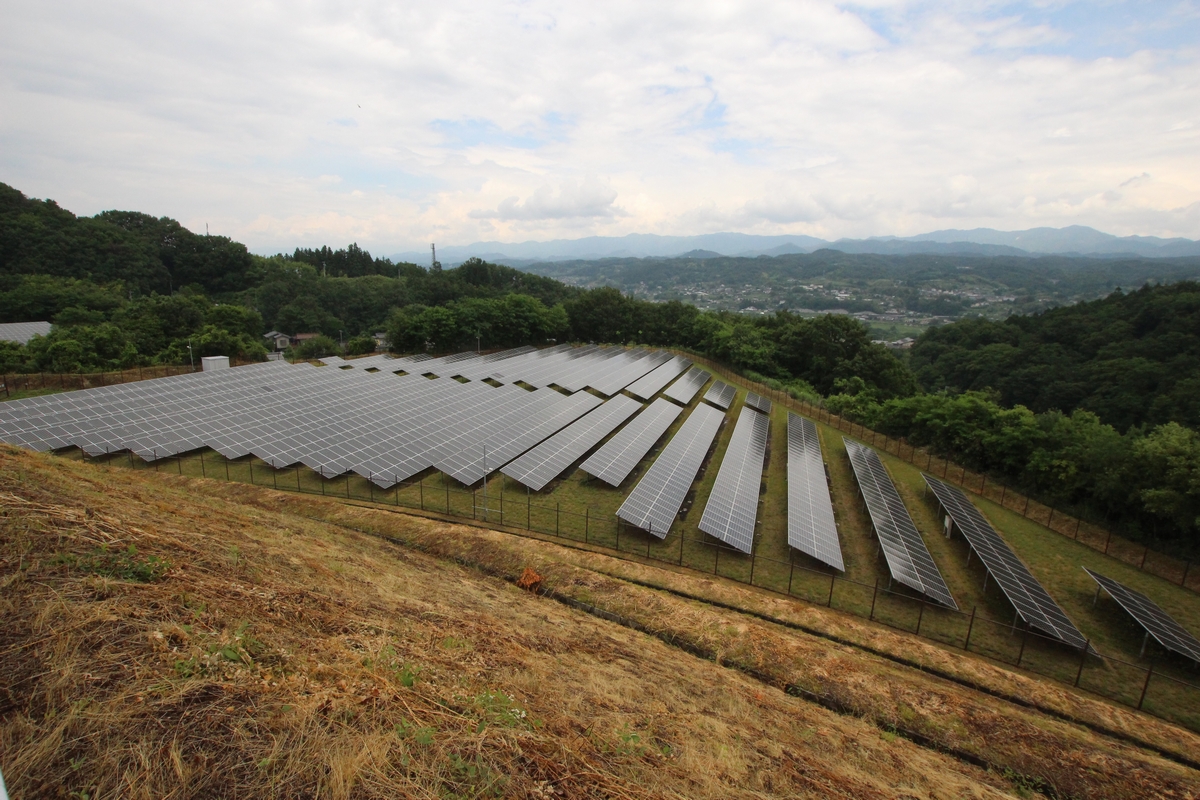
{"x":174,"y":637}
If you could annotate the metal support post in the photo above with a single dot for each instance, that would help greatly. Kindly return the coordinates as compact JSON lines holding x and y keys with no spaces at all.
{"x":1145,"y":686}
{"x":1024,"y":639}
{"x":1082,"y":660}
{"x":832,"y":581}
{"x":970,"y":627}
{"x":873,"y":597}
{"x":920,"y":616}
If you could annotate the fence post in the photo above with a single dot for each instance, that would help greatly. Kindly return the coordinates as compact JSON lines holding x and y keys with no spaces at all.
{"x":275,"y":480}
{"x":446,"y":483}
{"x":322,"y":468}
{"x":421,"y":489}
{"x":681,"y":548}
{"x":1078,"y":521}
{"x":873,"y":596}
{"x":587,"y":513}
{"x":557,"y":507}
{"x":203,"y":472}
{"x":832,"y":580}
{"x":1026,"y":508}
{"x":1145,"y":686}
{"x":920,"y":616}
{"x":1024,"y":639}
{"x":223,"y":458}
{"x":1082,"y":659}
{"x":970,"y":627}
{"x":154,"y":452}
{"x":1186,"y":568}
{"x":179,"y":469}
{"x":1145,"y":553}
{"x":1107,"y":540}
{"x":753,"y":561}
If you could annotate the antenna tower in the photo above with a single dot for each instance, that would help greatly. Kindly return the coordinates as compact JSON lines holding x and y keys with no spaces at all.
{"x":434,"y":264}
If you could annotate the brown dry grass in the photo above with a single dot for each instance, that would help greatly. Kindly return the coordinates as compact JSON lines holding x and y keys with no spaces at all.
{"x":283,"y":656}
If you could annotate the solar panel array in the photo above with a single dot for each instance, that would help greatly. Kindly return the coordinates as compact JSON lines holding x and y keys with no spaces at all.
{"x":22,"y":332}
{"x":909,"y":561}
{"x":1029,"y":598}
{"x":684,"y":389}
{"x":544,"y":463}
{"x":655,"y":501}
{"x":720,"y":394}
{"x":653,"y":382}
{"x":1158,"y":623}
{"x":357,"y":415}
{"x":759,"y":402}
{"x":732,"y":507}
{"x":613,"y":462}
{"x":811,"y":526}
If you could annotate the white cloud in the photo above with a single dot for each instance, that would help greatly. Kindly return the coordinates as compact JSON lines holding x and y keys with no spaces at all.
{"x":301,"y":124}
{"x":574,"y":200}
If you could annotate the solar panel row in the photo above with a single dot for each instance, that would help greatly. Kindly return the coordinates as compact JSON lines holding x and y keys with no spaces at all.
{"x":613,"y":462}
{"x":1030,"y":599}
{"x":379,"y":424}
{"x":683,"y":390}
{"x":732,"y":507}
{"x":811,"y":527}
{"x":720,"y":394}
{"x":1156,"y":622}
{"x":907,"y":557}
{"x":655,"y":501}
{"x":544,"y":463}
{"x":653,"y":382}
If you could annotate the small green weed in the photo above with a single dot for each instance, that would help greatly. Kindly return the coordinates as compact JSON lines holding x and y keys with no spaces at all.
{"x":119,"y":564}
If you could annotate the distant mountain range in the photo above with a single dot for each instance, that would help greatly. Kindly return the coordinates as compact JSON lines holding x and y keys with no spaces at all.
{"x":1074,"y":240}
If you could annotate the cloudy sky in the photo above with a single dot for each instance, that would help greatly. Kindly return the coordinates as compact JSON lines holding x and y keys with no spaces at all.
{"x":394,"y":124}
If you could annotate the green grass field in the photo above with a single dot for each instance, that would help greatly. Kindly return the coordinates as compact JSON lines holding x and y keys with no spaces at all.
{"x":583,"y":509}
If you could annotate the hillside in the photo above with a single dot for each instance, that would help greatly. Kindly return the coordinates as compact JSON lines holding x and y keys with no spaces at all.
{"x":172,"y":636}
{"x":1130,"y":358}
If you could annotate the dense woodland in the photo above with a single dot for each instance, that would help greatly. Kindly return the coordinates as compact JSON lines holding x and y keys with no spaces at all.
{"x":1091,"y":406}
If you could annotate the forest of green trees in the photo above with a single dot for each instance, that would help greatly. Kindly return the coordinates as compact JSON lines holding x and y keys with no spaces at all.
{"x":1091,"y":406}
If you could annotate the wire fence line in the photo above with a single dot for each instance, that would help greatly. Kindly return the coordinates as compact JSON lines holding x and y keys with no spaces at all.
{"x":1095,"y":535}
{"x":1155,"y":687}
{"x":70,"y":381}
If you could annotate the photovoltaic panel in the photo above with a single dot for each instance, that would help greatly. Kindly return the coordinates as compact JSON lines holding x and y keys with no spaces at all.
{"x":333,"y":419}
{"x":613,"y":462}
{"x":811,"y":526}
{"x":909,"y":561}
{"x":1156,"y":622}
{"x":1029,"y":598}
{"x":732,"y":507}
{"x":22,"y":332}
{"x":653,"y":382}
{"x":544,"y":463}
{"x":655,"y":501}
{"x":683,"y":390}
{"x":759,"y":402}
{"x":720,"y":394}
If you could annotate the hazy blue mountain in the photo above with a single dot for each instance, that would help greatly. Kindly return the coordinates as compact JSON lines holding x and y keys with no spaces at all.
{"x":1075,"y":239}
{"x":1072,"y":239}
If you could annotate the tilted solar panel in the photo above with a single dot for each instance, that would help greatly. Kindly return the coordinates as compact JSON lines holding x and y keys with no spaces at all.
{"x":653,"y":382}
{"x":907,"y":556}
{"x":811,"y":526}
{"x":720,"y":394}
{"x":613,"y":462}
{"x":1029,"y":598}
{"x":758,"y":401}
{"x":1156,"y":622}
{"x":683,"y":390}
{"x":655,"y":501}
{"x":732,"y":507}
{"x":544,"y":463}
